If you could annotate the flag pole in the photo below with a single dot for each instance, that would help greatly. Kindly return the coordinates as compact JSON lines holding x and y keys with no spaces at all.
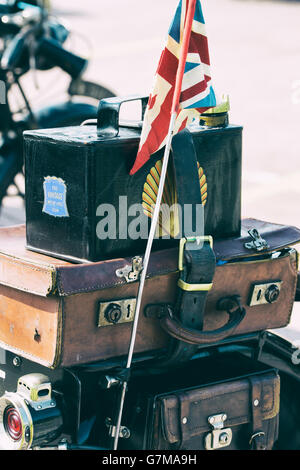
{"x":174,"y":112}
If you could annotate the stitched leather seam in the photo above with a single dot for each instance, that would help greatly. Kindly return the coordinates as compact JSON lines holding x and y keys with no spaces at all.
{"x":291,"y":303}
{"x":36,"y":269}
{"x":60,"y":329}
{"x":28,"y":355}
{"x":24,"y":289}
{"x":105,"y":285}
{"x":63,"y":316}
{"x":21,"y":262}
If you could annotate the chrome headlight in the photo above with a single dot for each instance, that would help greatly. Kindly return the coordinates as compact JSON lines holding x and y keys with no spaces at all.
{"x":29,"y":416}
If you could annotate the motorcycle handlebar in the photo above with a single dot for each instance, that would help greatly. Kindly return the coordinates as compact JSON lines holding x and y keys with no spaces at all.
{"x":50,"y":49}
{"x":67,"y":61}
{"x":13,"y":52}
{"x":31,"y":14}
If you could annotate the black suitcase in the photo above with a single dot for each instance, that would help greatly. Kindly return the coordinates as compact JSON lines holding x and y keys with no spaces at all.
{"x":72,"y":173}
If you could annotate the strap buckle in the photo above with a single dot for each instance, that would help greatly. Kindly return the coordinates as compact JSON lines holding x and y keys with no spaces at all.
{"x":194,"y":287}
{"x":198,"y":240}
{"x":255,"y":436}
{"x":181,"y":283}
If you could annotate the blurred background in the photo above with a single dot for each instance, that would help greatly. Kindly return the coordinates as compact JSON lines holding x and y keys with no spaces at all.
{"x":255,"y":56}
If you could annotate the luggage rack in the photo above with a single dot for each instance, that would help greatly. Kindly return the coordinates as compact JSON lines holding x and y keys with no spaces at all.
{"x":113,"y":373}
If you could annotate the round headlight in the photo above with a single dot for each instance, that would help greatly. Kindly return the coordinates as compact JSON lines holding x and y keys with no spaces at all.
{"x":15,"y":423}
{"x":12,"y":423}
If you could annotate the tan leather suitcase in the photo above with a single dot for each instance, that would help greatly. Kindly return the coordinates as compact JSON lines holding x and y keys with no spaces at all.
{"x":61,"y":314}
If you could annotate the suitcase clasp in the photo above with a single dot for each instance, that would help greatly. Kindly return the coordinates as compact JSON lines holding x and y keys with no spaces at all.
{"x":220,"y":436}
{"x":124,"y":431}
{"x":258,"y":243}
{"x":131,"y":272}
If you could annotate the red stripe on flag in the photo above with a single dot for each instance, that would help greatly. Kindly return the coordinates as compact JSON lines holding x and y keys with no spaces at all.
{"x":151,"y":101}
{"x":199,"y":44}
{"x":183,"y":124}
{"x":157,"y":134}
{"x":168,"y":66}
{"x":193,"y":91}
{"x":167,"y":69}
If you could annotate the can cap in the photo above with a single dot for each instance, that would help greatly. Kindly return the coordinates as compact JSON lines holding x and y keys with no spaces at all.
{"x":217,"y":116}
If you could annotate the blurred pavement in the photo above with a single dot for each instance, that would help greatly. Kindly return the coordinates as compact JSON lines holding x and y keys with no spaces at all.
{"x":255,"y":56}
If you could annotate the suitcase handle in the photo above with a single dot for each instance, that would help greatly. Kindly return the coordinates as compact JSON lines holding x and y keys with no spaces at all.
{"x":108,"y":114}
{"x":191,"y":336}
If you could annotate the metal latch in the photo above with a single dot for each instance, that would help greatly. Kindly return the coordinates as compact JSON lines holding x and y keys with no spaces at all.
{"x":258,"y":243}
{"x":124,"y":431}
{"x":220,"y":436}
{"x":131,"y":272}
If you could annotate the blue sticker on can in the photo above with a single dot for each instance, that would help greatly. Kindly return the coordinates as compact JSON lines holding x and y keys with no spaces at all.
{"x":55,"y":197}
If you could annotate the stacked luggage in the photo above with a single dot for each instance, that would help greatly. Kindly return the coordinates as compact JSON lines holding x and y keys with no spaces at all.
{"x":68,"y":297}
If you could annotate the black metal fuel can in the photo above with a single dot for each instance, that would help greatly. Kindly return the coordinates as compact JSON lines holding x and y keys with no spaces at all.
{"x":82,"y":204}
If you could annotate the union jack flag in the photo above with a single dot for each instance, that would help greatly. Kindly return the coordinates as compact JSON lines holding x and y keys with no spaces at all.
{"x":197,"y":94}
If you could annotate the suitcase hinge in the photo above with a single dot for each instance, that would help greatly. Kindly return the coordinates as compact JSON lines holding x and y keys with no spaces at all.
{"x":220,"y":436}
{"x":131,"y":272}
{"x":258,"y":243}
{"x":124,"y":431}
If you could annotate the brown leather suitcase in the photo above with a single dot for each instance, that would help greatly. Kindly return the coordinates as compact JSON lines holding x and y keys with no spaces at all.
{"x":61,"y":314}
{"x":222,"y":402}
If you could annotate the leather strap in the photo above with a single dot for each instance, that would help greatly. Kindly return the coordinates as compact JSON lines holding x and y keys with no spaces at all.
{"x":184,"y":417}
{"x":199,"y":268}
{"x":258,"y":438}
{"x":198,"y":260}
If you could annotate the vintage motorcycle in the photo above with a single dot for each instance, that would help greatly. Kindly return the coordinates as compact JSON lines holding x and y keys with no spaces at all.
{"x":31,"y":39}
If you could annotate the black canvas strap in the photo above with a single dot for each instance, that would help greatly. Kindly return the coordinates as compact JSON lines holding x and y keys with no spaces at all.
{"x":197,"y":258}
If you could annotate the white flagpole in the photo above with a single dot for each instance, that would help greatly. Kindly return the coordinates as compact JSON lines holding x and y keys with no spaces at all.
{"x":174,"y":112}
{"x":145,"y":267}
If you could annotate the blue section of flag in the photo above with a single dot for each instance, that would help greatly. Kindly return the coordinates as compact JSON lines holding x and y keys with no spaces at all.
{"x":190,"y":66}
{"x":208,"y":102}
{"x":174,"y":30}
{"x":198,"y":13}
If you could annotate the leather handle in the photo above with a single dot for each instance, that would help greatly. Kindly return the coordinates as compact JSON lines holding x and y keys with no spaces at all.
{"x":191,"y":336}
{"x":109,"y":112}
